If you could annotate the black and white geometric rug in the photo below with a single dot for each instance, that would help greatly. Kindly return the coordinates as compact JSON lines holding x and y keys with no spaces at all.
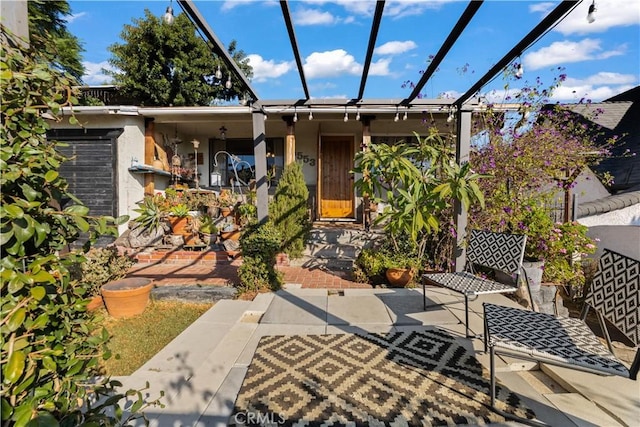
{"x":403,"y":378}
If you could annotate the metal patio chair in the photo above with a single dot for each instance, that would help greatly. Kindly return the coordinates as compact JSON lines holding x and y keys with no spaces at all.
{"x":569,"y":342}
{"x":499,"y":251}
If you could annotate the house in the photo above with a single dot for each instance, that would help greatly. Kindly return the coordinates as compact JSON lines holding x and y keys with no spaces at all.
{"x":115,"y":151}
{"x":612,"y":212}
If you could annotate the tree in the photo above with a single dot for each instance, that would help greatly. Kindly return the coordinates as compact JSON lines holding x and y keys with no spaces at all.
{"x":171,"y":65}
{"x":50,"y":346}
{"x":50,"y":38}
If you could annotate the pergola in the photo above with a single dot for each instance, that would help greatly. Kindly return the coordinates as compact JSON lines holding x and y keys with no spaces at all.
{"x":462,"y":107}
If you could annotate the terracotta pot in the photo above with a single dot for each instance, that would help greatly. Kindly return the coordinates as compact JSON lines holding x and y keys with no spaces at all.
{"x":179,"y":224}
{"x":230,"y":235}
{"x":95,"y":303}
{"x":126,"y":297}
{"x":157,"y":164}
{"x":225,"y":211}
{"x":399,"y":277}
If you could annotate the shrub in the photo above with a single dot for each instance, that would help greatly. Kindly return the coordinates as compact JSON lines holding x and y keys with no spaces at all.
{"x":102,"y":265}
{"x":289,"y":211}
{"x":260,"y":243}
{"x":50,"y":345}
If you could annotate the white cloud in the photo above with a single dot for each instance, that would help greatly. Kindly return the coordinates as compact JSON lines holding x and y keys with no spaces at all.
{"x":564,"y":52}
{"x":596,"y":87}
{"x":609,"y":13}
{"x":380,"y":67}
{"x":94,"y":74}
{"x":395,"y":47}
{"x":268,"y":69}
{"x":542,"y":8}
{"x":585,"y":91}
{"x":331,"y":64}
{"x":228,"y":5}
{"x":75,"y":16}
{"x":303,"y":17}
{"x":601,"y":78}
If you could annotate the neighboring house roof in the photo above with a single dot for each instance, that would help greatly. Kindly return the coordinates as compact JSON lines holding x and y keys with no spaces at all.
{"x":608,"y":204}
{"x":618,"y":117}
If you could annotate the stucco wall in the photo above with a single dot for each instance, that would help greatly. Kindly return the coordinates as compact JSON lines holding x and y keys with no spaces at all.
{"x":589,"y":188}
{"x":130,"y":145}
{"x":619,"y":238}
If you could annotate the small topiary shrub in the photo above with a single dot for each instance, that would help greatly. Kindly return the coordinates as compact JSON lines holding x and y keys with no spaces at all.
{"x":289,"y":212}
{"x":260,"y":243}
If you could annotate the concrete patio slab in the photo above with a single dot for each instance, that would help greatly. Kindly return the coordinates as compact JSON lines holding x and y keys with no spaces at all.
{"x":296,"y":309}
{"x":581,"y":411}
{"x":219,"y":410}
{"x":356,"y":310}
{"x":408,"y":310}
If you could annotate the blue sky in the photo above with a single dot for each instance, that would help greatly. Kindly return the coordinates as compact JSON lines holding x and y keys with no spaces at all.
{"x":600,"y":59}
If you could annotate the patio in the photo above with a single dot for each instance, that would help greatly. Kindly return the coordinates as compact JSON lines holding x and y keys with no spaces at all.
{"x":201,"y":378}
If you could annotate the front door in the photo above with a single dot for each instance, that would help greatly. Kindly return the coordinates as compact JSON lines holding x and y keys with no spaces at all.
{"x":336,"y":183}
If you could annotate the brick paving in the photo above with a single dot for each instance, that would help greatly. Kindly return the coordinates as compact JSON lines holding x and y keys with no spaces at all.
{"x":215,"y":268}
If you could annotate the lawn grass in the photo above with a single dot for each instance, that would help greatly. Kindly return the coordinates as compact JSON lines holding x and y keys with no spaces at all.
{"x":137,"y":339}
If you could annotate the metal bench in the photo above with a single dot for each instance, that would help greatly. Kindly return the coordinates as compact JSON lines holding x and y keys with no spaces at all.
{"x":614,"y":295}
{"x":498,"y":251}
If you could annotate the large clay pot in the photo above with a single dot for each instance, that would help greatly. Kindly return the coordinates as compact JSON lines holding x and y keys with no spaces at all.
{"x":399,"y":277}
{"x":126,"y":297}
{"x":179,"y":224}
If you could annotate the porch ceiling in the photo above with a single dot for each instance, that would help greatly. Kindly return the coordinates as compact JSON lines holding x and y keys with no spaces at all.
{"x":412,"y":101}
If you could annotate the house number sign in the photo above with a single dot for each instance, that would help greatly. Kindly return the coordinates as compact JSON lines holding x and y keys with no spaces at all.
{"x":305,"y":158}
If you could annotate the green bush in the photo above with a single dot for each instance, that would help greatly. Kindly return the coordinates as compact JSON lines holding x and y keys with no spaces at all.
{"x":102,"y":265}
{"x":289,"y":210}
{"x":50,"y":345}
{"x":260,"y":243}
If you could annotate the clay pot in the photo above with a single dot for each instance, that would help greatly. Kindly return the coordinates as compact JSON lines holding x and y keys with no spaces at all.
{"x":399,"y":277}
{"x":126,"y":297}
{"x":95,"y":303}
{"x":230,"y":235}
{"x":179,"y":224}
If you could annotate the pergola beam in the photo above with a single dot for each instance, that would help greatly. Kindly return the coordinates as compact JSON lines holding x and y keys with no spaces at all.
{"x":451,"y":39}
{"x":377,"y":18}
{"x":294,"y":45}
{"x":548,"y":22}
{"x":219,"y":49}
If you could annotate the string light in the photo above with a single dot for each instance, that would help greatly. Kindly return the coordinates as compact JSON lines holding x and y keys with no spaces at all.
{"x":310,"y":115}
{"x":358,"y":113}
{"x":168,"y":15}
{"x":591,"y":16}
{"x":346,"y":115}
{"x":406,"y":115}
{"x":295,"y":115}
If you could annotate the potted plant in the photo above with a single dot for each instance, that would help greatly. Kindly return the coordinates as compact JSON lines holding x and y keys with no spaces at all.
{"x":399,"y":269}
{"x":230,"y":231}
{"x":178,"y":218}
{"x":227,"y":201}
{"x":245,"y":214}
{"x":148,"y":228}
{"x":208,"y":230}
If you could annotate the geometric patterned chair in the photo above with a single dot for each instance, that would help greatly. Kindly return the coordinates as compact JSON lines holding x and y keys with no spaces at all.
{"x":569,"y":342}
{"x":498,"y":251}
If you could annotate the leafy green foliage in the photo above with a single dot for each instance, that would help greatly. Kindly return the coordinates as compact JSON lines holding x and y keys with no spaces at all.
{"x":50,"y":345}
{"x":289,"y":210}
{"x":163,"y":65}
{"x":51,"y":39}
{"x":260,"y":243}
{"x":101,"y":265}
{"x":418,"y":183}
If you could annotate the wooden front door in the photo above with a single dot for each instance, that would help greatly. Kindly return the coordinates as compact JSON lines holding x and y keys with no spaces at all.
{"x":336,"y":183}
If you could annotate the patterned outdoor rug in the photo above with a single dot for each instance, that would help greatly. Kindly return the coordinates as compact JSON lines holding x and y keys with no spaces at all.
{"x":403,"y":378}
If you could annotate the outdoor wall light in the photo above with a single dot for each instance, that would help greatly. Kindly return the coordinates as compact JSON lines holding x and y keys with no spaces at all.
{"x":168,"y":15}
{"x":223,"y":133}
{"x":591,"y":16}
